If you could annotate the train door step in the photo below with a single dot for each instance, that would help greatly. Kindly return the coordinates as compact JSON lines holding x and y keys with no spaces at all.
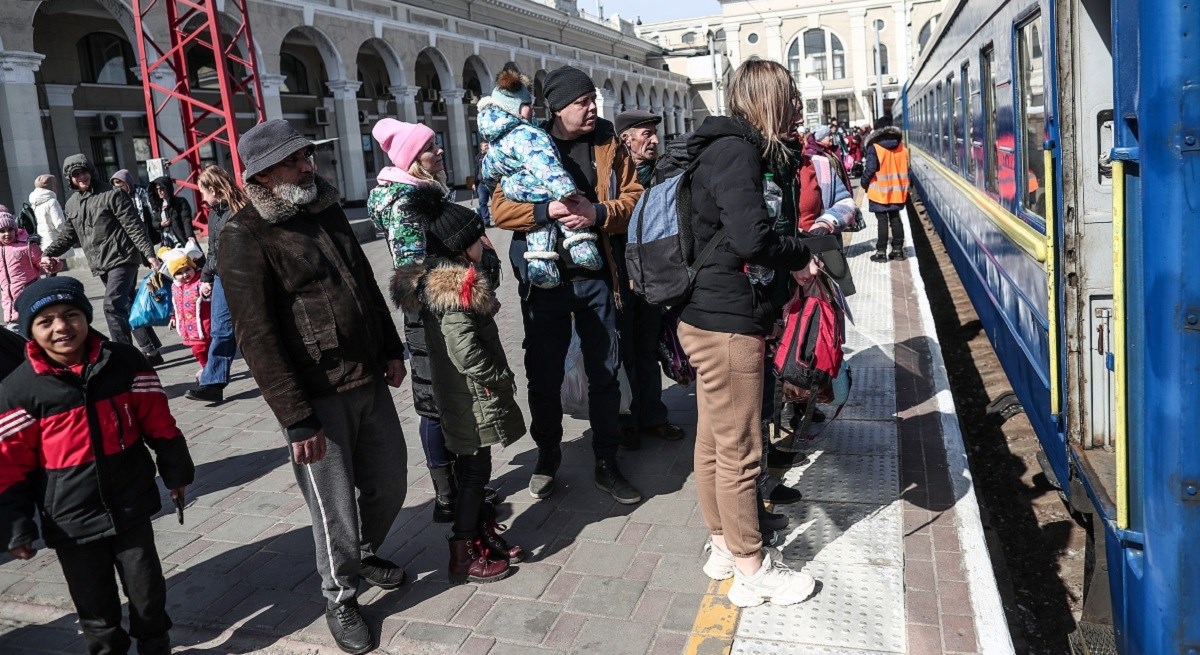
{"x":1093,"y":639}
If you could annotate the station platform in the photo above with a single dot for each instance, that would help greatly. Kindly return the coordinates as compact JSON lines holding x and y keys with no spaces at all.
{"x":889,"y":526}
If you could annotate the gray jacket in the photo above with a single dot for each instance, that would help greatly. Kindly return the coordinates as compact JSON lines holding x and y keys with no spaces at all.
{"x":104,"y":223}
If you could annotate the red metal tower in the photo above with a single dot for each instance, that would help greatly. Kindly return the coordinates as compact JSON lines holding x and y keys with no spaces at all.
{"x":196,"y":24}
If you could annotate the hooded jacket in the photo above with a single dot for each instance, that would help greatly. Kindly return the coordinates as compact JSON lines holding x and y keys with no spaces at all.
{"x":141,"y":204}
{"x":616,"y":187}
{"x":890,"y":138}
{"x":522,"y":157}
{"x":217,"y":218}
{"x":178,"y":210}
{"x":104,"y":222}
{"x":727,"y":192}
{"x":20,"y":265}
{"x":49,"y":213}
{"x":77,"y":446}
{"x":472,"y":383}
{"x":307,"y":313}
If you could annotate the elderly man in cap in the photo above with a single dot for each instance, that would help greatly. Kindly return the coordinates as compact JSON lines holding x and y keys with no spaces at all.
{"x":318,"y":337}
{"x":639,"y":321}
{"x":603,"y":171}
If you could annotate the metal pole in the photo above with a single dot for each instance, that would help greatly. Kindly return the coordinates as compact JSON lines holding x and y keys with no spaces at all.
{"x":878,"y":72}
{"x":712,"y":52}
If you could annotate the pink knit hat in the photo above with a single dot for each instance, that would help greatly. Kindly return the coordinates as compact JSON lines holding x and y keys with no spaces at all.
{"x":402,"y":141}
{"x":7,"y":221}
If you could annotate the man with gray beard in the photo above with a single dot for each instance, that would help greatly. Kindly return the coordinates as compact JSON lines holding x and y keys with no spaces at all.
{"x":319,"y":339}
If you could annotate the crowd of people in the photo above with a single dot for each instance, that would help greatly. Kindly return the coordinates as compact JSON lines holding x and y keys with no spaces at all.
{"x":295,"y":291}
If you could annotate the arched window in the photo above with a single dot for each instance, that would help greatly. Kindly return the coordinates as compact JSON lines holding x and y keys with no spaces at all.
{"x":720,"y":35}
{"x":106,"y":59}
{"x":926,"y":32}
{"x":296,"y":75}
{"x":823,"y":58}
{"x":202,"y":69}
{"x":688,"y":38}
{"x":881,"y":56}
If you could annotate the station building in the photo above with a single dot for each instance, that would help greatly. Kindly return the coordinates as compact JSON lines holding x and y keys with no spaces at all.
{"x":828,"y":46}
{"x":69,"y":78}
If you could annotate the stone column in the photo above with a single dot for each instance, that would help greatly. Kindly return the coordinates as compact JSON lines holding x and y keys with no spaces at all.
{"x":733,"y":44}
{"x":63,"y":128}
{"x":661,"y":129}
{"x":460,"y":141}
{"x":271,"y":86}
{"x":602,"y":108}
{"x":406,"y":102}
{"x":774,"y":39}
{"x":21,"y":122}
{"x":350,"y":156}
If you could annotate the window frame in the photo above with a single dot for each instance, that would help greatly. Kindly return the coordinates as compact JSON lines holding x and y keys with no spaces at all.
{"x":1027,"y":151}
{"x":952,"y":99}
{"x":90,"y":69}
{"x":968,"y":121}
{"x":989,"y":111}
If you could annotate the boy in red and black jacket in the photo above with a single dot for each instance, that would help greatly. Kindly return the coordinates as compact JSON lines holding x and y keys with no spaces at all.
{"x":78,"y":421}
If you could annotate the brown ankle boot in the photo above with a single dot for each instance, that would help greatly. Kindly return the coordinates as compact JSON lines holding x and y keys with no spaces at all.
{"x":469,"y":563}
{"x":490,"y":530}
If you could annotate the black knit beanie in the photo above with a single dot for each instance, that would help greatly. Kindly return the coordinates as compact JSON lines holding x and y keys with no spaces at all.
{"x":450,"y":228}
{"x":46,"y":292}
{"x":565,"y":85}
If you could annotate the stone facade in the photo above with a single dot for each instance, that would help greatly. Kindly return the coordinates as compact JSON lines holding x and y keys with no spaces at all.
{"x":829,"y":47}
{"x":69,"y":77}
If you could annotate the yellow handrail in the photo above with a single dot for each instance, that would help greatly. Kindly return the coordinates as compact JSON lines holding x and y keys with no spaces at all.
{"x":1118,"y":341}
{"x":1051,"y":283}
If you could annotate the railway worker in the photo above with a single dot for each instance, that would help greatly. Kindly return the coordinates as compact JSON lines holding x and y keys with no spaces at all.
{"x":319,"y":340}
{"x":604,"y":173}
{"x":885,"y":175}
{"x":639,"y":322}
{"x":724,"y":325}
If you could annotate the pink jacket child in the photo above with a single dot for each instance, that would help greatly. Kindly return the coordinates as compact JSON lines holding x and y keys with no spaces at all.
{"x":20,"y":264}
{"x":192,"y":310}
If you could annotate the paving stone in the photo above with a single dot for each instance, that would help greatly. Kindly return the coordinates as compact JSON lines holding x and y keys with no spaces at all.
{"x":613,"y":638}
{"x":526,"y":622}
{"x":612,"y":597}
{"x":439,"y":634}
{"x":529,"y":581}
{"x":678,"y":573}
{"x":675,"y":540}
{"x":593,"y":558}
{"x":502,"y":648}
{"x":681,"y":615}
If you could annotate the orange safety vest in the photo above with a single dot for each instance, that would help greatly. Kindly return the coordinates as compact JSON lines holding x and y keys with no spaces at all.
{"x":890,"y":184}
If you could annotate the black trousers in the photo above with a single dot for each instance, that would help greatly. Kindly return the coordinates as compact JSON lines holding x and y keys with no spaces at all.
{"x":89,"y":572}
{"x":884,"y":219}
{"x":120,"y":284}
{"x":472,"y":473}
{"x":639,"y":323}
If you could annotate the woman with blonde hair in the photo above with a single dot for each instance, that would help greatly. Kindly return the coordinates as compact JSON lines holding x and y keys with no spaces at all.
{"x":732,"y":309}
{"x":224,"y":198}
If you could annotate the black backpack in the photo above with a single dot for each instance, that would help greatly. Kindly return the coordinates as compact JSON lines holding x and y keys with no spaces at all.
{"x":27,"y":220}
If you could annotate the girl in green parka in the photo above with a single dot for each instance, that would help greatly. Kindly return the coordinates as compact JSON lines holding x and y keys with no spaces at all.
{"x":472,"y":384}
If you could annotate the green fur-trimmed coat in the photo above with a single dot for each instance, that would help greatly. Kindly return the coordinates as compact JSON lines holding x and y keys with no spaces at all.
{"x":473,"y":386}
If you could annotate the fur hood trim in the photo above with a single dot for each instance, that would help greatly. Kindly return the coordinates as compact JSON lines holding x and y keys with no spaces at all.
{"x":274,"y":209}
{"x":890,"y":132}
{"x":445,"y":287}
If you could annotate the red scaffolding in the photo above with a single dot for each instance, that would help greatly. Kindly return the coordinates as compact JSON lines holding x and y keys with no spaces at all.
{"x":193,"y":24}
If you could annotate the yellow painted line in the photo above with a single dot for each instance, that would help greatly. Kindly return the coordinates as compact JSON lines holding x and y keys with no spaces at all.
{"x":1122,"y":434}
{"x":716,"y":622}
{"x":1051,"y":284}
{"x":1025,"y":237}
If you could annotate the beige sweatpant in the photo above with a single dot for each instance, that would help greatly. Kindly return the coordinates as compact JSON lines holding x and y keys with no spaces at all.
{"x":729,"y":371}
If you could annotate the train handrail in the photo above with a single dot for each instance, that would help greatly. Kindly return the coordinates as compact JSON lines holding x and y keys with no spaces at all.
{"x":1118,"y":342}
{"x":1051,"y":282}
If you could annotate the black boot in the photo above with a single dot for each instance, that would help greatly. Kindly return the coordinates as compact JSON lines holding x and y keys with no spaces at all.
{"x":879,"y":256}
{"x":447,"y":491}
{"x":897,"y":253}
{"x":610,"y":480}
{"x":769,"y":521}
{"x":347,"y":627}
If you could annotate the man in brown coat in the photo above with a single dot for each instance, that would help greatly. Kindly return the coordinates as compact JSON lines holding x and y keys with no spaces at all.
{"x":608,"y":189}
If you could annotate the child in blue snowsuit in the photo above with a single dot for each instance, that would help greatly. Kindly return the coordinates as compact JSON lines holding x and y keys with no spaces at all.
{"x":523,"y":158}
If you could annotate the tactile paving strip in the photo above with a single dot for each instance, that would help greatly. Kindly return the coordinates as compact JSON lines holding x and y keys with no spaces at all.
{"x":764,"y":647}
{"x":847,"y":533}
{"x":847,"y":436}
{"x":869,"y":479}
{"x":857,"y":606}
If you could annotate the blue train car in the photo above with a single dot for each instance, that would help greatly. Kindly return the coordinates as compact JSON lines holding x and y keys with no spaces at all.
{"x":1056,"y":147}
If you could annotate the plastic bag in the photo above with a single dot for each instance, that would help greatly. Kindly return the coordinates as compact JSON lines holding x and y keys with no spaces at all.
{"x":152,"y":304}
{"x":574,"y":392}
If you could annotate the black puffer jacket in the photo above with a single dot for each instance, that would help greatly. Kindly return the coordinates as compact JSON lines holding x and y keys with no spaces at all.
{"x":727,"y":191}
{"x":216,"y":220}
{"x":179,"y":211}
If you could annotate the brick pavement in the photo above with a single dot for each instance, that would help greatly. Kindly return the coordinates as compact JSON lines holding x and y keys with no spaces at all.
{"x":603,"y":577}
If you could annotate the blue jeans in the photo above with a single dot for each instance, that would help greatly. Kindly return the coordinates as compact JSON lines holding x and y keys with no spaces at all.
{"x":547,"y":315}
{"x":485,"y":196}
{"x":223,"y":347}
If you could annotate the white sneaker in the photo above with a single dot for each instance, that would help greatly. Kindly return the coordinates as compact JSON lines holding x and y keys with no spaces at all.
{"x":773,"y":583}
{"x":721,"y":563}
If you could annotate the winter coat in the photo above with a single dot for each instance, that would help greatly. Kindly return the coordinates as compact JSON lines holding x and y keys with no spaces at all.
{"x":216,"y":220}
{"x":48,"y":212}
{"x":616,"y":187}
{"x":141,"y":203}
{"x":178,"y":211}
{"x":20,"y":265}
{"x":77,"y":446}
{"x":193,"y":313}
{"x":307,"y":313}
{"x":522,"y":157}
{"x":472,"y":382}
{"x":727,"y":192}
{"x":837,"y":202}
{"x":890,"y":138}
{"x":103,"y":221}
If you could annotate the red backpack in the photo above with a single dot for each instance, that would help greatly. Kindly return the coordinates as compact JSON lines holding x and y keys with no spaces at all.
{"x":809,"y":355}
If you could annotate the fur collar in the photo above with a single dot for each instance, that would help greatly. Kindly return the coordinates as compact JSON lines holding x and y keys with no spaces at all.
{"x":442,"y":286}
{"x":890,"y":132}
{"x":274,"y":209}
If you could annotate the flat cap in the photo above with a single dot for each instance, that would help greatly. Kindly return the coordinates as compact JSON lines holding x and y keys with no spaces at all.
{"x":634,"y":118}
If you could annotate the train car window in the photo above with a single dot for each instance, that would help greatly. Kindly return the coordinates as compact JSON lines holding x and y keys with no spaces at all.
{"x":952,"y":102}
{"x":969,"y":123}
{"x":937,"y":123}
{"x":1031,"y":87}
{"x":987,"y":82}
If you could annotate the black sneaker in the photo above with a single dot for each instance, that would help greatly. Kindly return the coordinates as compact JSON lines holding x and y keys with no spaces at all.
{"x":541,"y":484}
{"x":347,"y":627}
{"x":155,"y":360}
{"x":770,"y":521}
{"x":667,"y":431}
{"x":784,"y":495}
{"x":778,"y":459}
{"x":610,"y":480}
{"x":381,"y":573}
{"x":896,"y":254}
{"x":879,"y":256}
{"x":206,"y":393}
{"x":631,"y":439}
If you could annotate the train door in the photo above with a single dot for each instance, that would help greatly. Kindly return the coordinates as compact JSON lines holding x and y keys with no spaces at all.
{"x":1085,"y":276}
